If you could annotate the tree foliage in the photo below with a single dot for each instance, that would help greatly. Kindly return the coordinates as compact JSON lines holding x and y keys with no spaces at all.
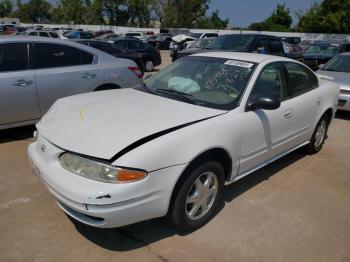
{"x":330,"y":16}
{"x":212,"y":22}
{"x":34,"y":11}
{"x":279,"y":21}
{"x":6,"y":8}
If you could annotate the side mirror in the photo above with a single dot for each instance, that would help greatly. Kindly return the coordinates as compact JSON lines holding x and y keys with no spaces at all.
{"x":263,"y":102}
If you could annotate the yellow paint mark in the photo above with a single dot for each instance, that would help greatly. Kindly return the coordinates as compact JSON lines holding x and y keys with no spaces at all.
{"x":82,"y":114}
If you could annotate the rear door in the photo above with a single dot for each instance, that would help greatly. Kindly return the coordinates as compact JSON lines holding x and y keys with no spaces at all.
{"x":304,"y":96}
{"x":62,"y":70}
{"x":18,"y":94}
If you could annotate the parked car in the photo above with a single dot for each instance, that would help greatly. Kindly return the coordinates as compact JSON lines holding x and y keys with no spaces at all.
{"x":203,"y":35}
{"x":137,"y":35}
{"x":36,"y":71}
{"x":108,"y":36}
{"x":338,"y":69}
{"x":13,"y":30}
{"x":160,"y":41}
{"x":78,"y":35}
{"x":251,"y":43}
{"x":5,"y":27}
{"x":321,"y":53}
{"x":170,"y":145}
{"x":102,"y":32}
{"x":178,"y":43}
{"x":193,"y":46}
{"x":151,"y":56}
{"x":116,"y":51}
{"x":42,"y":33}
{"x":293,"y":51}
{"x":292,"y":40}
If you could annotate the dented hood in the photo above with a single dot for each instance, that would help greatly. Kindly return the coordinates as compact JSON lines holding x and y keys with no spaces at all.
{"x":102,"y":124}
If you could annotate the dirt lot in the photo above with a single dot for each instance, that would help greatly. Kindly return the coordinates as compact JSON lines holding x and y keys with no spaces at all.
{"x":296,"y":209}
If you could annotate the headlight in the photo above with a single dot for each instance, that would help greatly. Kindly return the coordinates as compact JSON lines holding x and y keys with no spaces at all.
{"x":99,"y":171}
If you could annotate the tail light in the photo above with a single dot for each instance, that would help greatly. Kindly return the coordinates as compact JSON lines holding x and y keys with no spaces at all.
{"x":136,"y":71}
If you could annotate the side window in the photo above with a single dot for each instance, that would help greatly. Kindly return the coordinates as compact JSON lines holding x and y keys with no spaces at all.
{"x":53,"y":55}
{"x":345,"y":48}
{"x":276,"y":47}
{"x":122,"y":44}
{"x":299,"y":79}
{"x":33,"y":33}
{"x":270,"y":82}
{"x":103,"y":47}
{"x":261,"y":46}
{"x":13,"y":57}
{"x":44,"y":34}
{"x":135,"y":45}
{"x":54,"y":35}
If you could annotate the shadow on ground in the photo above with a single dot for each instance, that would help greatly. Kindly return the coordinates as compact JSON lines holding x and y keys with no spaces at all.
{"x":145,"y":233}
{"x":344,"y":115}
{"x":18,"y":133}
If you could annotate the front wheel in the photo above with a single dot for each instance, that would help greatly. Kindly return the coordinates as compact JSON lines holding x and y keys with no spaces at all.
{"x":198,"y":197}
{"x":318,"y":137}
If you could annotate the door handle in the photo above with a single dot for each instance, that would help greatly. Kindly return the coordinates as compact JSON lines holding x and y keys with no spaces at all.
{"x":288,"y":114}
{"x":88,"y":76}
{"x":22,"y":82}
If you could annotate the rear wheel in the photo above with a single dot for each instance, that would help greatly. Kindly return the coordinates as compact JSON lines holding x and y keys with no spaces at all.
{"x":318,"y":137}
{"x":198,"y":197}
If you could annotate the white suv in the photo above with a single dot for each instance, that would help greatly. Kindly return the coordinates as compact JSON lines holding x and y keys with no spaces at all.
{"x":36,"y":71}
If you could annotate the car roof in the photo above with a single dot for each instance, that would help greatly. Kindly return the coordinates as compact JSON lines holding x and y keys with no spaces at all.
{"x":253,"y":35}
{"x":251,"y":57}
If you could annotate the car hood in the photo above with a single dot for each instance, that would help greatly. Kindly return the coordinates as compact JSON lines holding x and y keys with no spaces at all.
{"x":342,"y":79}
{"x":102,"y":124}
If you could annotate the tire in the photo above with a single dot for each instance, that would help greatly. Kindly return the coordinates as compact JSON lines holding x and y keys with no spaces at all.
{"x":149,"y":66}
{"x":318,"y":137}
{"x":193,"y":215}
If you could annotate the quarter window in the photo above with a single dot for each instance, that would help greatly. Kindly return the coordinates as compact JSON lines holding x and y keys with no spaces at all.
{"x":13,"y":57}
{"x":299,"y":79}
{"x":276,"y":47}
{"x":44,"y":34}
{"x":270,"y":82}
{"x":53,"y":55}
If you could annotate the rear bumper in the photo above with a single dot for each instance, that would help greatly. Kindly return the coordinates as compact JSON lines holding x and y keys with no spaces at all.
{"x":80,"y":197}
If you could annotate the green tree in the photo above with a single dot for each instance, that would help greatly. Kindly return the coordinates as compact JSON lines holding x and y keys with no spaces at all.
{"x":73,"y":11}
{"x":183,"y":13}
{"x":330,"y":16}
{"x":140,"y":12}
{"x":94,"y":12}
{"x":116,"y":11}
{"x":280,"y":21}
{"x":6,"y":8}
{"x":35,"y":11}
{"x":213,"y":22}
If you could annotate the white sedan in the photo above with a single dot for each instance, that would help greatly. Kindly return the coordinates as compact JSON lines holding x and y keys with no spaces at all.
{"x":168,"y":147}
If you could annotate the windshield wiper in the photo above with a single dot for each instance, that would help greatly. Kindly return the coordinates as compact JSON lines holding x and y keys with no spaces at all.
{"x":182,"y":95}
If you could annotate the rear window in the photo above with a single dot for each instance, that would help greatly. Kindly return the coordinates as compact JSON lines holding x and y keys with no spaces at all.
{"x":53,"y":55}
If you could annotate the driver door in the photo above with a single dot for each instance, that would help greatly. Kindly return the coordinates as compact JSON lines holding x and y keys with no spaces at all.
{"x":268,"y":132}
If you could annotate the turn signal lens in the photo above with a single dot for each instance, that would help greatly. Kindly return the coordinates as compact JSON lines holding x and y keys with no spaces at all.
{"x":125,"y":176}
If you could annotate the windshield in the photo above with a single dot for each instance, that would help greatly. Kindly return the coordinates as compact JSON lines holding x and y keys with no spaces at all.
{"x":195,"y":35}
{"x":200,"y":43}
{"x":231,"y":42}
{"x":206,"y":81}
{"x":323,"y":50}
{"x":340,"y":63}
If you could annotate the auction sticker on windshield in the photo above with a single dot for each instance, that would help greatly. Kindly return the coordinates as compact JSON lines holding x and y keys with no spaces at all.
{"x":239,"y":63}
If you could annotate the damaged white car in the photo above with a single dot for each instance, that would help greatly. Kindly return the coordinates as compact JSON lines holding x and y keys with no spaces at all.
{"x":167,"y":147}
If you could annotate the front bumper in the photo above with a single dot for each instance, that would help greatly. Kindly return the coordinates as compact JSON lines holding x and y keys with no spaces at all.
{"x":344,"y":101}
{"x":101,"y":204}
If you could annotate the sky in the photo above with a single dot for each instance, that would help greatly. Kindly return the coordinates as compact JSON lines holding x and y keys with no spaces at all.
{"x":244,"y":12}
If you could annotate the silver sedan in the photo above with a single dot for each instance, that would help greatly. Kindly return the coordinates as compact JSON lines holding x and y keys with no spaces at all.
{"x":36,"y":71}
{"x":338,"y":69}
